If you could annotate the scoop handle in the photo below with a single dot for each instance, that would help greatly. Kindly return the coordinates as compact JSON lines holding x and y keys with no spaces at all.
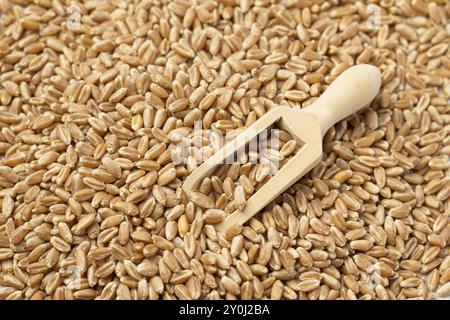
{"x":349,"y":92}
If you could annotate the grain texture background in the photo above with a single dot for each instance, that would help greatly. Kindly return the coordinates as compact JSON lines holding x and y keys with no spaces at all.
{"x":95,"y":95}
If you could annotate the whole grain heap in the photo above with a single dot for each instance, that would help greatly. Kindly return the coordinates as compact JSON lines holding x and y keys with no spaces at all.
{"x":94,"y":94}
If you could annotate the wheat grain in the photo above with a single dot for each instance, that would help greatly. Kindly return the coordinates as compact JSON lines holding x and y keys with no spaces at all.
{"x":91,"y":199}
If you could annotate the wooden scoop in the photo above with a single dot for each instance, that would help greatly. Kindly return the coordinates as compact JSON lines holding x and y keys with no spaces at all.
{"x":351,"y":91}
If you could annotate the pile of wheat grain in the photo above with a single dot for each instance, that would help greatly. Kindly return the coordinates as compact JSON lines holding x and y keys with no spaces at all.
{"x":94,"y":94}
